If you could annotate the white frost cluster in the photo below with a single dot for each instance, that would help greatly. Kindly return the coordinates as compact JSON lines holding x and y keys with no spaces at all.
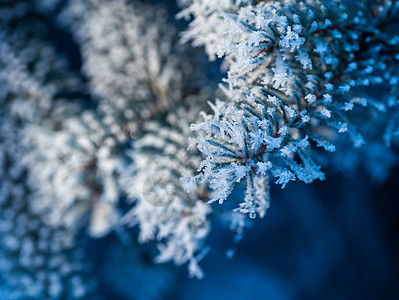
{"x":28,"y":93}
{"x":72,"y":160}
{"x":79,"y":163}
{"x":207,"y":26}
{"x":163,"y":209}
{"x":139,"y":74}
{"x":37,"y":260}
{"x":130,"y":56}
{"x":240,"y":145}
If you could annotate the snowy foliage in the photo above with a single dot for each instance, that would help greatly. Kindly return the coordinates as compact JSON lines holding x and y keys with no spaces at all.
{"x":37,"y":260}
{"x":131,"y":56}
{"x":33,"y":79}
{"x":138,"y":72}
{"x":60,"y":149}
{"x":297,"y":73}
{"x":79,"y":163}
{"x":207,"y":27}
{"x":128,"y":129}
{"x":163,"y":209}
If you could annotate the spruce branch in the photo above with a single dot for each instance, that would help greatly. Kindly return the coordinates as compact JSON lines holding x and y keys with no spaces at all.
{"x":297,"y":73}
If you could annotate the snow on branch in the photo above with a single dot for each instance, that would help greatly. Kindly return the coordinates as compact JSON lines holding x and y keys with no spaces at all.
{"x":296,"y":80}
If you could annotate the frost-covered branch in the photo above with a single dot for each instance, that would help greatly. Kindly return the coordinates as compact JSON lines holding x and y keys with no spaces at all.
{"x":162,"y":208}
{"x":298,"y":74}
{"x":132,"y":57}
